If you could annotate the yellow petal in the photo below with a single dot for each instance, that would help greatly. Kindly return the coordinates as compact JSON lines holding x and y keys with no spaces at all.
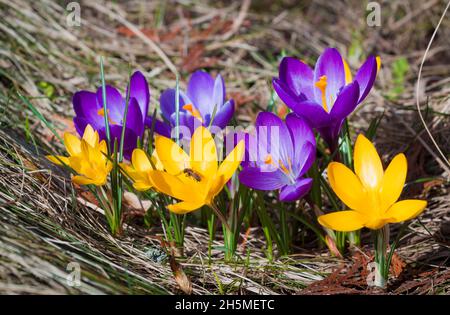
{"x":142,"y":186}
{"x":393,"y":181}
{"x":378,"y":59}
{"x":156,"y":161}
{"x":140,"y":161}
{"x":58,"y":159}
{"x":171,"y":185}
{"x":368,"y":165}
{"x":344,"y":221}
{"x":346,"y":185}
{"x":82,"y":180}
{"x":90,"y":136}
{"x":203,"y":152}
{"x":405,"y":210}
{"x":227,"y":169}
{"x":184,"y":207}
{"x":348,"y":73}
{"x":172,"y":156}
{"x":72,"y":143}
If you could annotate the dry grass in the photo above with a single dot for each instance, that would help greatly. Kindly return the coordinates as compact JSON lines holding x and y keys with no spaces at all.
{"x":45,"y":225}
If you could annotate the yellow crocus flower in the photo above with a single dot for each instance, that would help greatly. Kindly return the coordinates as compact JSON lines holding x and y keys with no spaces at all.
{"x":87,"y":157}
{"x":370,"y":192}
{"x":140,"y":168}
{"x":194,"y":179}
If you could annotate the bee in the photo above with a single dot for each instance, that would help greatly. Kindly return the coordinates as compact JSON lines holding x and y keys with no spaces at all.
{"x":190,"y":173}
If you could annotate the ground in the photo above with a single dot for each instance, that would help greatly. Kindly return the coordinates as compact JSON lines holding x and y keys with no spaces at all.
{"x":47,"y":223}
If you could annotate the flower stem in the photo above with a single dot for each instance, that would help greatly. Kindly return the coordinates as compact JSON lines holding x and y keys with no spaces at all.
{"x":382,"y":268}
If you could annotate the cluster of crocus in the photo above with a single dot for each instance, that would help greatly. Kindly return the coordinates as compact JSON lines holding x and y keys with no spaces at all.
{"x":279,"y":156}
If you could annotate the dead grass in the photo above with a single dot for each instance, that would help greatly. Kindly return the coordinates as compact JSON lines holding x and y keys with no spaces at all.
{"x":45,"y":226}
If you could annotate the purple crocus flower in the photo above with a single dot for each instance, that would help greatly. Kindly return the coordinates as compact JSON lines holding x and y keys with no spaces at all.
{"x":327,"y":95}
{"x":88,"y":108}
{"x":204,"y":95}
{"x":279,"y":154}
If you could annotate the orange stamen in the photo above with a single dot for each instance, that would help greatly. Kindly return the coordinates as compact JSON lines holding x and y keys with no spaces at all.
{"x":101,"y":112}
{"x":268,"y":159}
{"x":194,"y":112}
{"x":322,"y":86}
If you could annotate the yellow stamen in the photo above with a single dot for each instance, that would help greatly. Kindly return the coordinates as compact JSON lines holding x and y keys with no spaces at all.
{"x":283,"y":167}
{"x":322,"y":86}
{"x":268,"y":159}
{"x":101,"y":112}
{"x":194,"y":112}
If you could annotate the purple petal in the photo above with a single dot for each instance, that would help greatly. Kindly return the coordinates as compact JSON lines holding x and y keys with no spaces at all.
{"x":115,"y":132}
{"x":254,"y":178}
{"x":294,"y":192}
{"x":160,"y":127}
{"x":115,"y":103}
{"x":297,"y":76}
{"x":80,"y":124}
{"x":232,"y":138}
{"x":135,"y":120}
{"x":224,"y":115}
{"x":139,"y":90}
{"x":313,"y":113}
{"x":331,"y":65}
{"x":330,"y":133}
{"x":346,"y":101}
{"x":85,"y":106}
{"x":286,"y":94}
{"x":167,"y":102}
{"x":366,"y":77}
{"x":306,"y":160}
{"x":200,"y":91}
{"x":273,"y":138}
{"x":218,"y":92}
{"x":304,"y":144}
{"x":187,"y":125}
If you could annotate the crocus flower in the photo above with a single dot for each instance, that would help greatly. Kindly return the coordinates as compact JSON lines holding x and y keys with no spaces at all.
{"x":88,"y":107}
{"x":86,"y":157}
{"x":370,"y":192}
{"x":194,"y":179}
{"x":279,"y":155}
{"x":203,"y":101}
{"x":327,"y":95}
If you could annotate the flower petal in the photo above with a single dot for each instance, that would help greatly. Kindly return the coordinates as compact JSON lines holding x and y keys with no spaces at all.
{"x":393,"y":181}
{"x":286,"y":94}
{"x":159,"y":127}
{"x":184,"y":207}
{"x":367,"y":163}
{"x":72,"y":144}
{"x":140,"y":161}
{"x":405,"y":210}
{"x":203,"y":153}
{"x":294,"y":192}
{"x":227,"y":168}
{"x":344,"y":221}
{"x":90,"y":136}
{"x":298,"y":76}
{"x":200,"y":92}
{"x":224,"y":115}
{"x":167,"y":102}
{"x":172,"y":185}
{"x":274,"y":138}
{"x":139,"y":90}
{"x":346,"y":101}
{"x":172,"y":156}
{"x":313,"y":113}
{"x":115,"y":103}
{"x":329,"y":64}
{"x":366,"y":77}
{"x":58,"y":159}
{"x":254,"y":178}
{"x":86,"y":106}
{"x":346,"y":185}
